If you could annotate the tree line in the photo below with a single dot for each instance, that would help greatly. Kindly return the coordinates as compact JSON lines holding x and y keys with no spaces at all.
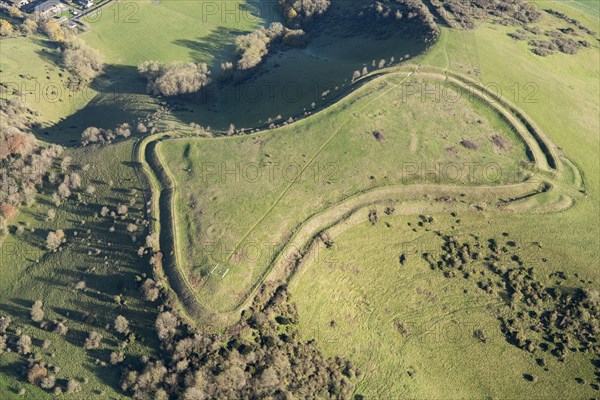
{"x":24,"y":161}
{"x":261,"y":356}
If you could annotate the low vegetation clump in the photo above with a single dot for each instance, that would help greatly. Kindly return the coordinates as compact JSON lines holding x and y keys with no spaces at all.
{"x":83,"y":62}
{"x":173,"y":79}
{"x":537,"y":318}
{"x":570,"y":20}
{"x":298,"y":12}
{"x":506,"y":12}
{"x":261,"y":356}
{"x":93,"y":340}
{"x":55,"y":239}
{"x":563,"y":44}
{"x":37,"y":313}
{"x":6,"y":28}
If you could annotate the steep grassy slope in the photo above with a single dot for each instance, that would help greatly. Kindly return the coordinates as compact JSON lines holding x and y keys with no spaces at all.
{"x":105,"y":260}
{"x":29,"y":71}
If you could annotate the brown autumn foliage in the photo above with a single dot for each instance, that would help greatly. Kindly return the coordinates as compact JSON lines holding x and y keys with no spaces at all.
{"x":262,"y":356}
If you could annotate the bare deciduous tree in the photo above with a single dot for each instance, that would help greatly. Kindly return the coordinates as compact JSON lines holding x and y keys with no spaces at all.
{"x":93,"y":340}
{"x":121,"y":325}
{"x":37,"y":314}
{"x":55,"y":239}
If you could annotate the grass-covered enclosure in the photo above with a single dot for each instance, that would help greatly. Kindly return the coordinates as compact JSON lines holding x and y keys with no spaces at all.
{"x":235,"y":195}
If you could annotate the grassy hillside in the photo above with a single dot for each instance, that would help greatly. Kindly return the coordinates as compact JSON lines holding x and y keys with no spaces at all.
{"x":590,"y":7}
{"x":575,"y":129}
{"x":240,"y":199}
{"x":361,"y":285}
{"x":411,"y":330}
{"x":198,"y":31}
{"x":30,"y":71}
{"x":105,"y":260}
{"x":285,"y":85}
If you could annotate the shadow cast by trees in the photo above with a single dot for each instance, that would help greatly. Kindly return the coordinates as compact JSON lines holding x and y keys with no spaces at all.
{"x":219,"y":42}
{"x":115,"y":97}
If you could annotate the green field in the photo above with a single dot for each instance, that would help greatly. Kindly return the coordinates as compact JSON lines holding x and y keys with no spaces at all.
{"x":285,"y":85}
{"x":360,"y":285}
{"x":30,"y":273}
{"x":29,"y":71}
{"x":590,"y":7}
{"x":172,"y":30}
{"x":236,"y":195}
{"x":328,"y":204}
{"x":215,"y":199}
{"x":364,"y":301}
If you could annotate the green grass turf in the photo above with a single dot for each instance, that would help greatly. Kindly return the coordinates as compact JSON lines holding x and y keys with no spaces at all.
{"x":240,"y":199}
{"x":286,"y":84}
{"x":29,"y":71}
{"x":590,"y":7}
{"x":363,"y":288}
{"x":570,"y":237}
{"x":360,"y":285}
{"x":171,"y":30}
{"x":30,"y":273}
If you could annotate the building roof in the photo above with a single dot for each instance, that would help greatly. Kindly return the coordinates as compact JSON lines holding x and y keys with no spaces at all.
{"x":50,"y":7}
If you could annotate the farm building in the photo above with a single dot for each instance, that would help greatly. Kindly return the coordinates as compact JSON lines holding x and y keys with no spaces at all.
{"x":50,"y":8}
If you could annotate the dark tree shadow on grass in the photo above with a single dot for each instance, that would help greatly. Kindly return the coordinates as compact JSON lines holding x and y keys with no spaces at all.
{"x":115,"y":97}
{"x":219,"y":42}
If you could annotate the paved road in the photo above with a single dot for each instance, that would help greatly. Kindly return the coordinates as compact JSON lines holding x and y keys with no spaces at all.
{"x":90,"y":11}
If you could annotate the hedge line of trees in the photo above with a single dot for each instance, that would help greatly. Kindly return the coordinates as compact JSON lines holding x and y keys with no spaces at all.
{"x":298,"y":12}
{"x":508,"y":12}
{"x":253,"y":47}
{"x":98,"y":135}
{"x":172,"y":79}
{"x":83,"y":62}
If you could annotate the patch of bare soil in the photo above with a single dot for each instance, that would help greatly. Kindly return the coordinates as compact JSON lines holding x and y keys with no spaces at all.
{"x":378,"y":135}
{"x":501,"y":144}
{"x":469,"y":145}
